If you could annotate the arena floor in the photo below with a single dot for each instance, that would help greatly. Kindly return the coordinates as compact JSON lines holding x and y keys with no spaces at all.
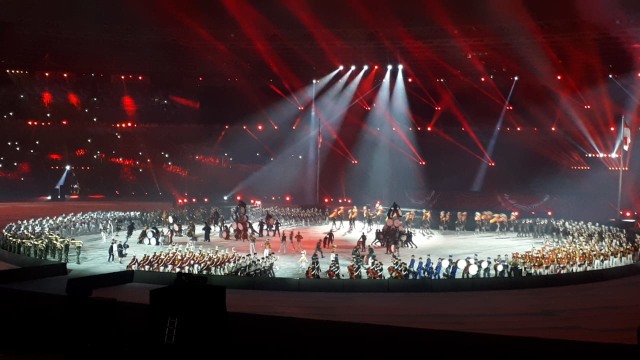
{"x":604,"y":312}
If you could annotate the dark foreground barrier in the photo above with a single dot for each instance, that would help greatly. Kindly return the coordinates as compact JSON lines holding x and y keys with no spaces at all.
{"x":84,"y":286}
{"x":29,"y":268}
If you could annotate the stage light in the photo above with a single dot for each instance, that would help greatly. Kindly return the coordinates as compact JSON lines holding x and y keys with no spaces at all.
{"x":389,"y":67}
{"x":365,"y":67}
{"x":515,"y":77}
{"x":353,"y":67}
{"x":68,"y":167}
{"x":400,"y":67}
{"x":340,"y":67}
{"x":559,"y":77}
{"x":610,"y":76}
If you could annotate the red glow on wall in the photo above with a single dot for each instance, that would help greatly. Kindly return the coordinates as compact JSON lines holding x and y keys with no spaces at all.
{"x":186,"y":102}
{"x":74,"y":100}
{"x":57,"y":157}
{"x":129,"y":105}
{"x":81,"y":152}
{"x":47,"y":98}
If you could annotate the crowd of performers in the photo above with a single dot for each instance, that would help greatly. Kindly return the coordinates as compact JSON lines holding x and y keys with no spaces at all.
{"x":205,"y":262}
{"x":45,"y":245}
{"x":569,"y":246}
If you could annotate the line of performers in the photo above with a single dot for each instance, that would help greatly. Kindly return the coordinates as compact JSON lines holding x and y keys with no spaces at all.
{"x":209,"y":262}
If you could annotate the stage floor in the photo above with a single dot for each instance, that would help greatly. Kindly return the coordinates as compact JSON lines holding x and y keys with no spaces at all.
{"x":605,"y":312}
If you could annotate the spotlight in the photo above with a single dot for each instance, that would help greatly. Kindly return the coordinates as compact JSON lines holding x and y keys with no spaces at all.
{"x":400,"y":67}
{"x":610,"y":76}
{"x":341,"y":67}
{"x":365,"y":67}
{"x":515,"y":77}
{"x":68,"y":167}
{"x":353,"y":67}
{"x":389,"y":67}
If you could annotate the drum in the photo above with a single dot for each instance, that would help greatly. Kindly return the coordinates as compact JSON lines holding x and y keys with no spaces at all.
{"x":390,"y":222}
{"x":473,"y":269}
{"x":170,"y":219}
{"x":239,"y":226}
{"x":484,"y":264}
{"x":397,"y":222}
{"x":461,"y":264}
{"x":175,"y":227}
{"x":225,"y":233}
{"x":445,"y":263}
{"x":499,"y":267}
{"x":472,"y":261}
{"x":149,"y":236}
{"x":233,"y":225}
{"x":403,"y":237}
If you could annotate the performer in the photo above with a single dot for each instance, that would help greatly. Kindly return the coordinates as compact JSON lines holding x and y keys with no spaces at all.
{"x":419,"y":269}
{"x":314,"y":267}
{"x":379,"y":270}
{"x":426,"y":222}
{"x":299,"y":240}
{"x":303,"y":262}
{"x":319,"y":248}
{"x":355,"y":269}
{"x":443,"y":221}
{"x":334,"y":270}
{"x":130,"y":229}
{"x":409,"y":219}
{"x":394,"y":211}
{"x":191,"y":231}
{"x":207,"y":232}
{"x":363,"y":241}
{"x":334,"y":217}
{"x":267,"y":248}
{"x":365,"y":218}
{"x":411,"y":267}
{"x":428,"y":268}
{"x":438,"y":269}
{"x":341,"y":216}
{"x":486,"y":272}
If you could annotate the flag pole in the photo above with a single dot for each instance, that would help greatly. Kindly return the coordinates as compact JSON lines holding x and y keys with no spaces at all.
{"x":318,"y":137}
{"x":621,"y":164}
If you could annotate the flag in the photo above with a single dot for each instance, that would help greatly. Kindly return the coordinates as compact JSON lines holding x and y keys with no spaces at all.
{"x":626,"y":136}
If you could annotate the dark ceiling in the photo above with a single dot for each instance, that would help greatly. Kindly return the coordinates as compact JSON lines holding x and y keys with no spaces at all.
{"x":294,"y":41}
{"x":306,"y":36}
